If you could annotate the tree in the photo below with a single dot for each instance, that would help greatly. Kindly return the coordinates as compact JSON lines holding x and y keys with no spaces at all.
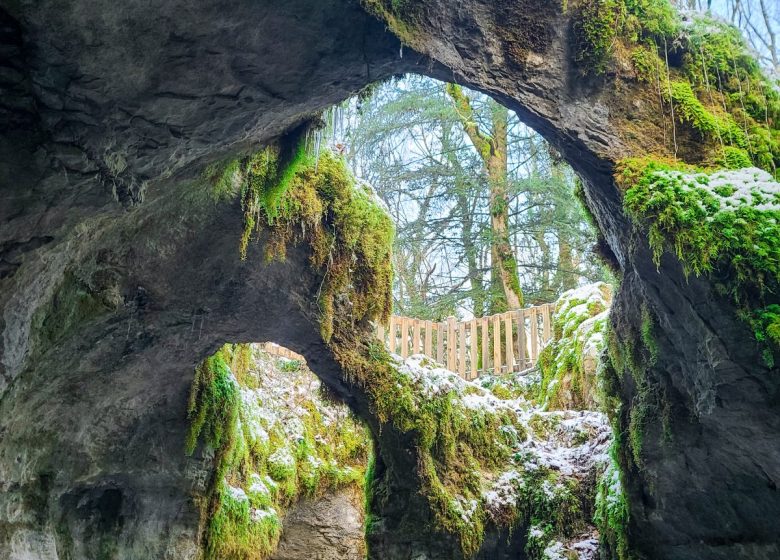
{"x":470,"y":187}
{"x":492,"y":149}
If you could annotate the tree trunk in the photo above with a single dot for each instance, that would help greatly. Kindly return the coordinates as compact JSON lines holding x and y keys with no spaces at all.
{"x":503,"y":264}
{"x":492,"y":148}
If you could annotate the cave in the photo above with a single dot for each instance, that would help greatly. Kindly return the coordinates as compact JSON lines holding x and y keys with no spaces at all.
{"x":119,"y":274}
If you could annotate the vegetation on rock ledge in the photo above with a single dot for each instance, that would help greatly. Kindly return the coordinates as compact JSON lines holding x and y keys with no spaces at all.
{"x":725,"y":224}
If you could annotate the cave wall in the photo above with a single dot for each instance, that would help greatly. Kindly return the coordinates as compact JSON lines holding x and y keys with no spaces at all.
{"x":117,"y":274}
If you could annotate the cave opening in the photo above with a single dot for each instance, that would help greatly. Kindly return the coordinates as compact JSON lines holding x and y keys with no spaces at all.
{"x":535,"y":490}
{"x":119,"y":272}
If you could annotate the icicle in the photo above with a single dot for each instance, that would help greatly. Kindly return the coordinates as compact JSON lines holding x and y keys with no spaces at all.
{"x":742,"y":103}
{"x":709,"y":91}
{"x":317,"y":144}
{"x":401,"y":51}
{"x":671,"y":99}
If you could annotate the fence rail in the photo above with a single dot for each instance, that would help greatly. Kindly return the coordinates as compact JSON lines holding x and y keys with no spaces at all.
{"x":503,"y":343}
{"x":281,"y":352}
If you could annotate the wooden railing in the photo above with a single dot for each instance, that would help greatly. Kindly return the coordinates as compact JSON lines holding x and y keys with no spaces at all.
{"x":507,"y":342}
{"x":281,"y":352}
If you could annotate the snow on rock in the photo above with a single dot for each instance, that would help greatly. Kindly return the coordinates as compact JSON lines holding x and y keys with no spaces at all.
{"x":237,"y":494}
{"x":554,"y":551}
{"x":257,"y":486}
{"x":569,"y":362}
{"x":563,"y":445}
{"x":732,"y":188}
{"x":257,"y":514}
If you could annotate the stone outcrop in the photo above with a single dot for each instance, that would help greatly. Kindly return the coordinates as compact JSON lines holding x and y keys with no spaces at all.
{"x":569,"y":365}
{"x":326,"y":528}
{"x":117,"y":274}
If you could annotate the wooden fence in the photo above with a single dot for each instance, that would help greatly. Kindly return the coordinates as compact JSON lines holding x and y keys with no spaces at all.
{"x":281,"y":352}
{"x":503,"y":343}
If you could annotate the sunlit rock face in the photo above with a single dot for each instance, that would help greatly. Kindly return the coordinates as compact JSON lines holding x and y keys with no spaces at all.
{"x":117,"y":277}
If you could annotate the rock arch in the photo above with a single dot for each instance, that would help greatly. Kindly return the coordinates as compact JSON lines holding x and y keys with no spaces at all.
{"x":116,"y":278}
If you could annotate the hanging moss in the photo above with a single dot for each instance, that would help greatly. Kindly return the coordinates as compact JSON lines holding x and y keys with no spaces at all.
{"x":691,"y":110}
{"x":350,"y":236}
{"x":612,"y":512}
{"x":724,"y":224}
{"x":261,"y":467}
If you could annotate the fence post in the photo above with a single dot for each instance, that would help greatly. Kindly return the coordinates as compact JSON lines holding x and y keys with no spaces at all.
{"x":451,"y":344}
{"x":534,"y":335}
{"x":428,"y":340}
{"x":462,"y":349}
{"x":510,"y":358}
{"x":496,"y":344}
{"x":440,"y":343}
{"x":522,"y":340}
{"x":404,"y":337}
{"x":473,"y":348}
{"x":485,"y":345}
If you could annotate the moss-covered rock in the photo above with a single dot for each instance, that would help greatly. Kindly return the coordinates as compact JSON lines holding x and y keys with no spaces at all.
{"x":569,"y":363}
{"x":501,"y":462}
{"x":275,"y":439}
{"x":724,"y":224}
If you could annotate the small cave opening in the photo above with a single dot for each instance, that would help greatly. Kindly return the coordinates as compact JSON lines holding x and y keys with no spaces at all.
{"x":291,"y":459}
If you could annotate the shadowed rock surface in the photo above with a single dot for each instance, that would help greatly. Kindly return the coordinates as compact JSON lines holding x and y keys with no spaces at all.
{"x":118,"y":274}
{"x":327,"y":528}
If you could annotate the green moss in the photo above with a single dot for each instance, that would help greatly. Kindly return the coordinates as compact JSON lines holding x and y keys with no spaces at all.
{"x":723,"y":74}
{"x":551,"y":508}
{"x":648,"y":338}
{"x":734,"y":158}
{"x":602,"y":24}
{"x":259,"y":468}
{"x":689,"y":109}
{"x":646,"y":62}
{"x":612,"y":513}
{"x":402,"y":17}
{"x":650,"y":20}
{"x":213,"y":403}
{"x":566,"y":382}
{"x":595,"y":32}
{"x":686,"y":217}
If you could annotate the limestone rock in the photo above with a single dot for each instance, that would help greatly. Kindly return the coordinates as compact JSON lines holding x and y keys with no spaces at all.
{"x":326,"y":528}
